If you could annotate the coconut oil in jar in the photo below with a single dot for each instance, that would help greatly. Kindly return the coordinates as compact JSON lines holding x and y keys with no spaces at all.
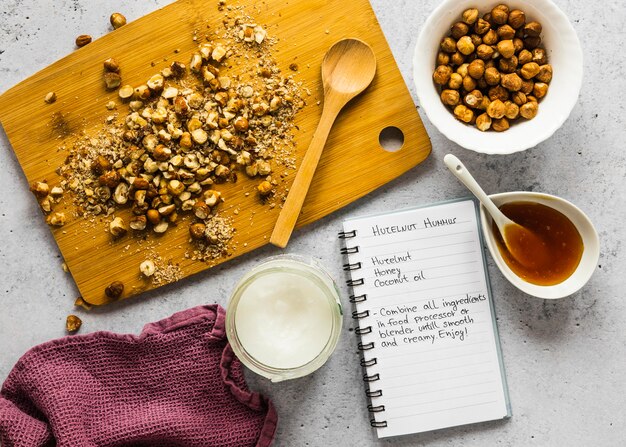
{"x":284,"y":318}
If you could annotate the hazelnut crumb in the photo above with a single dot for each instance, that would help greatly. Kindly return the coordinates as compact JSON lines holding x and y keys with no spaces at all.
{"x":50,"y":97}
{"x":73,"y":323}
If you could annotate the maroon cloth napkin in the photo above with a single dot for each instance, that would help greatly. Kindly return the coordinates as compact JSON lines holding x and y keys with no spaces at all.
{"x":176,"y":384}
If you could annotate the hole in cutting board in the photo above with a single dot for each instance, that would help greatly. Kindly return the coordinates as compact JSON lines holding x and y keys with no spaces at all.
{"x":391,"y":139}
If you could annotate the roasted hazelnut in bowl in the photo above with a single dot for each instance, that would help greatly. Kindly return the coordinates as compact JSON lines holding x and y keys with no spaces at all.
{"x":497,"y":77}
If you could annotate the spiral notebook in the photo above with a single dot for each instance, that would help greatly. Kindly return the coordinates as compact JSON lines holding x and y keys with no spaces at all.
{"x":428,"y":335}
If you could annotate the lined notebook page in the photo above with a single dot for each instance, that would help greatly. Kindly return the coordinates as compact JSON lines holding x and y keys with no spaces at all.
{"x":433,"y":332}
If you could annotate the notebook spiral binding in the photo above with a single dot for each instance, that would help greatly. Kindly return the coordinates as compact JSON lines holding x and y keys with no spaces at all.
{"x":354,"y":298}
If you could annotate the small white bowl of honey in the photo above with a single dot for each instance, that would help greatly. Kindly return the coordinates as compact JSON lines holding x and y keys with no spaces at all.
{"x":569,"y":235}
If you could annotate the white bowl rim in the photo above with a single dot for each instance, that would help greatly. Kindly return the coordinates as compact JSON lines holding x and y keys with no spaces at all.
{"x":530,"y":140}
{"x":581,"y":275}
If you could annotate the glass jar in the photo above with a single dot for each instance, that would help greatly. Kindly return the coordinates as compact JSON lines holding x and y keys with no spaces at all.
{"x":284,"y":317}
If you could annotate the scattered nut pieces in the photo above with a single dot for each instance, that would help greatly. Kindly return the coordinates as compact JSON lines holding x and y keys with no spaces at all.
{"x":50,"y":97}
{"x":264,"y":188}
{"x":56,"y":219}
{"x":80,"y":302}
{"x":83,"y":40}
{"x":490,"y":68}
{"x":147,"y":268}
{"x":112,"y":80}
{"x":114,"y":290}
{"x":117,"y":20}
{"x":117,"y":227}
{"x":126,"y":91}
{"x":186,"y":132}
{"x":73,"y":323}
{"x":39,"y":189}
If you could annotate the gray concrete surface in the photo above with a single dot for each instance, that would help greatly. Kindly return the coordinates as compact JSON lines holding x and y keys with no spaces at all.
{"x":565,"y":360}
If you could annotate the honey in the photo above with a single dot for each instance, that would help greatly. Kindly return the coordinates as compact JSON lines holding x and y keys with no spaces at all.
{"x":556,"y":249}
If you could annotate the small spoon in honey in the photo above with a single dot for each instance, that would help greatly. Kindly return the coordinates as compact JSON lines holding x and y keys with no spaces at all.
{"x":524,"y":245}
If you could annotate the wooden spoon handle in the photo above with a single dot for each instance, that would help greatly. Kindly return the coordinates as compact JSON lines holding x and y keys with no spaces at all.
{"x":300,"y":187}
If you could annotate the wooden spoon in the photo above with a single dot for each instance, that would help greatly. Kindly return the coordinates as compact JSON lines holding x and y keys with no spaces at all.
{"x":525,"y":246}
{"x":348,"y":68}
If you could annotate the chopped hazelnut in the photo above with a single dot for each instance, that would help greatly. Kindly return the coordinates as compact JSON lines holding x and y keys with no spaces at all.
{"x":112,"y":80}
{"x":138,"y":223}
{"x":39,"y":189}
{"x":126,"y":91}
{"x":50,"y":97}
{"x":56,"y":219}
{"x":161,"y":227}
{"x":450,"y":97}
{"x":465,"y":45}
{"x":142,"y":92}
{"x":529,"y":110}
{"x":156,"y":82}
{"x":117,"y":227}
{"x":483,"y":122}
{"x":147,"y":268}
{"x":496,"y":109}
{"x":265,"y":188}
{"x":72,"y":323}
{"x":110,"y":179}
{"x":500,"y":125}
{"x":166,"y":210}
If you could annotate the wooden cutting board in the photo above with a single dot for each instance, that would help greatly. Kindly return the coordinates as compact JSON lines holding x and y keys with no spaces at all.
{"x":353,"y":163}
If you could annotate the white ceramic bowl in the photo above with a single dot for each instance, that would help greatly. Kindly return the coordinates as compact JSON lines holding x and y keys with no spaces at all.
{"x":564,"y":54}
{"x":591,"y":250}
